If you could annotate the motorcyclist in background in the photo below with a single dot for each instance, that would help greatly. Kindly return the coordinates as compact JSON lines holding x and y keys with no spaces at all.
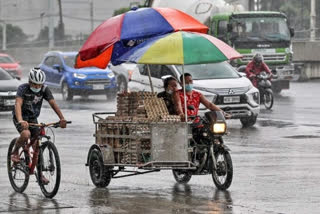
{"x":255,"y":67}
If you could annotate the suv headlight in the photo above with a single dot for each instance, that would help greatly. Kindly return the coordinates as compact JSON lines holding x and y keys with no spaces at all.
{"x":111,"y":75}
{"x":253,"y":98}
{"x":256,"y":97}
{"x":211,"y":97}
{"x":80,"y":76}
{"x":219,"y":128}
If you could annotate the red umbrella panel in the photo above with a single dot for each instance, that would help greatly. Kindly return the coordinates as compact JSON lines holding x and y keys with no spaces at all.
{"x":119,"y":34}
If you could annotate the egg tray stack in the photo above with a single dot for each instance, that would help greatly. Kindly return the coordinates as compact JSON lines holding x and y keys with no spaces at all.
{"x":139,"y":109}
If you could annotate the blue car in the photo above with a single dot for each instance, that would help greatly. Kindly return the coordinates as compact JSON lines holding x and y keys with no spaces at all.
{"x":61,"y":75}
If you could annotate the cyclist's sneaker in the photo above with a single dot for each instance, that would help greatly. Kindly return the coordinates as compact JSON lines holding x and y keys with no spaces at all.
{"x":44,"y":180}
{"x":15,"y":158}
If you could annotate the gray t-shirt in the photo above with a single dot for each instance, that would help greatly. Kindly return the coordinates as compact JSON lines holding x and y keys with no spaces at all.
{"x":32,"y":102}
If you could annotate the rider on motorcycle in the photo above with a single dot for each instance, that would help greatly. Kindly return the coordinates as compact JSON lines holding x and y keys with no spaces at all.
{"x":28,"y":106}
{"x":255,"y":67}
{"x":194,"y":98}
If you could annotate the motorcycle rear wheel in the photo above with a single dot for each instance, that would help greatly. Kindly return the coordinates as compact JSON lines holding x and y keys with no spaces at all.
{"x":181,"y":176}
{"x":222,"y":175}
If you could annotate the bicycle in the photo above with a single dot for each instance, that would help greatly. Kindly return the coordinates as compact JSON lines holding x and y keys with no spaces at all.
{"x":38,"y":158}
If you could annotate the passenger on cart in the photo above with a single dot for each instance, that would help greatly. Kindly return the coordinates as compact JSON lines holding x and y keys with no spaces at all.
{"x":170,"y":86}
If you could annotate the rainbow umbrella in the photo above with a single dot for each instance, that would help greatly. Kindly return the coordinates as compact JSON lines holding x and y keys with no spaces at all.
{"x":180,"y":48}
{"x":119,"y":34}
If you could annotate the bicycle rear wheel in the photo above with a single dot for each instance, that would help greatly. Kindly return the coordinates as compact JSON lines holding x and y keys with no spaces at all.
{"x":49,"y":168}
{"x":18,"y":172}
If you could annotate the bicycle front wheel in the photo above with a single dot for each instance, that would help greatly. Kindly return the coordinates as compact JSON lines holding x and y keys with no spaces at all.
{"x":18,"y":172}
{"x":49,"y":169}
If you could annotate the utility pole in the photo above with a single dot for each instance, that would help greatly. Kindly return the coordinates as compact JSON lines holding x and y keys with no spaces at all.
{"x":50,"y":24}
{"x":313,"y":21}
{"x":4,"y":29}
{"x":4,"y":35}
{"x":91,"y":15}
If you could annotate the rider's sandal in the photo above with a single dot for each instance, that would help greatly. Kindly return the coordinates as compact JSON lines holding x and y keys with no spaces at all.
{"x":15,"y":158}
{"x":44,"y":180}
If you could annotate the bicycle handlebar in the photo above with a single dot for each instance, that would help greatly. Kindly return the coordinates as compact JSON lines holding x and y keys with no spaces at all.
{"x":55,"y":125}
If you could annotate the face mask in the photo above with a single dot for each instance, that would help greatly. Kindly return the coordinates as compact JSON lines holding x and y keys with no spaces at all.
{"x":189,"y":87}
{"x":169,"y":91}
{"x":35,"y":90}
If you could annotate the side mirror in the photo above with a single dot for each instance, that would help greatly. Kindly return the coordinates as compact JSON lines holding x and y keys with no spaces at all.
{"x":57,"y":67}
{"x":291,"y":32}
{"x":229,"y":27}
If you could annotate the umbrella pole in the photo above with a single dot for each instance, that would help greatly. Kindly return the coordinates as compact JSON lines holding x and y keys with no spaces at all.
{"x":184,"y":95}
{"x":149,"y":74}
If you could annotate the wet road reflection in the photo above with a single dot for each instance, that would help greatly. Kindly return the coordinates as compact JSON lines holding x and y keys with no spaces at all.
{"x":276,"y":166}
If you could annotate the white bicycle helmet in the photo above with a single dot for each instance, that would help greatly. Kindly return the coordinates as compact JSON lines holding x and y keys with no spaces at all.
{"x":37,"y":76}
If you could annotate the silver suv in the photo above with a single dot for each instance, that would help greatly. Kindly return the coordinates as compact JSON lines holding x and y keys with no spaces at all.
{"x":218,"y":82}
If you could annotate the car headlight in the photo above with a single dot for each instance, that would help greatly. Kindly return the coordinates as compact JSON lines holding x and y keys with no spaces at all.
{"x":80,"y":76}
{"x":219,"y":128}
{"x":253,"y":98}
{"x":111,"y":75}
{"x":256,"y":97}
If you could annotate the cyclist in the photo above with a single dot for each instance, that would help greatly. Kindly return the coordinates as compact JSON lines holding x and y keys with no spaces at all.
{"x":27,"y":109}
{"x":255,"y":67}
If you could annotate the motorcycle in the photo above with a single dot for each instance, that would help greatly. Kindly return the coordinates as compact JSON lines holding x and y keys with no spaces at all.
{"x":210,"y":155}
{"x":264,"y":86}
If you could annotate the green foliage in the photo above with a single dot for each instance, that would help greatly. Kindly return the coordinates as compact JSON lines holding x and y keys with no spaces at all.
{"x":120,"y":11}
{"x":124,"y":9}
{"x":14,"y":34}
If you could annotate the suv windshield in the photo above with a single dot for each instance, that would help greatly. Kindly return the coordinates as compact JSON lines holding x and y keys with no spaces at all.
{"x":4,"y":75}
{"x":260,"y":29}
{"x":222,"y":70}
{"x":69,"y":60}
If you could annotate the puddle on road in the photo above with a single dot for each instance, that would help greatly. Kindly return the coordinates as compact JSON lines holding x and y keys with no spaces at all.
{"x":25,"y":203}
{"x":302,"y":136}
{"x":278,"y":124}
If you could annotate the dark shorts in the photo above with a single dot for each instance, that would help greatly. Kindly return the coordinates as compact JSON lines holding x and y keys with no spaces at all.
{"x":33,"y":130}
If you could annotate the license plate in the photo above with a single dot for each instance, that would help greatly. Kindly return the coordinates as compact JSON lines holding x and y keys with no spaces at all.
{"x":233,"y":99}
{"x":97,"y":87}
{"x":9,"y":102}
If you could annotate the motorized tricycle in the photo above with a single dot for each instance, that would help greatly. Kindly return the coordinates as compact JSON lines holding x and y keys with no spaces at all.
{"x":186,"y":148}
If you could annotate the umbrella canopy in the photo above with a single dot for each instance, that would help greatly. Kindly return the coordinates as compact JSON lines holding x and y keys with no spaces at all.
{"x":118,"y":34}
{"x":181,"y":48}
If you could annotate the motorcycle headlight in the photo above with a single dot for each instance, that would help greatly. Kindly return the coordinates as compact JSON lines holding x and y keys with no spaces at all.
{"x":80,"y":76}
{"x":219,"y":128}
{"x":111,"y":75}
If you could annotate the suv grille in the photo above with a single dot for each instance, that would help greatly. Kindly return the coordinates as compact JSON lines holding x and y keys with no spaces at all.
{"x":98,"y":81}
{"x":230,"y":91}
{"x":267,"y":58}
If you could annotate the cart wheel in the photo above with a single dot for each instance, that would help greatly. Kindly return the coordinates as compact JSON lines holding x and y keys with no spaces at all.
{"x":181,"y":176}
{"x":100,"y":175}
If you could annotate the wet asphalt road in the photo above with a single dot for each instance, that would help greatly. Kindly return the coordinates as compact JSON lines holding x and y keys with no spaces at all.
{"x":276,"y":166}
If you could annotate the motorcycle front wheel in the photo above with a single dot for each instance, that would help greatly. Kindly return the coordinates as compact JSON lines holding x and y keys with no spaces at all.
{"x":268,"y":99}
{"x":222,"y":175}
